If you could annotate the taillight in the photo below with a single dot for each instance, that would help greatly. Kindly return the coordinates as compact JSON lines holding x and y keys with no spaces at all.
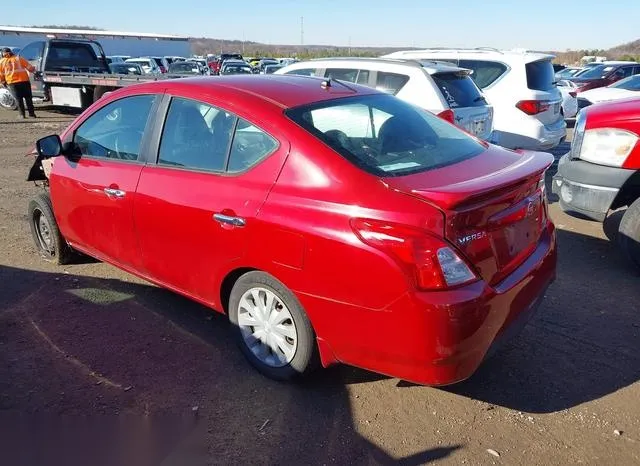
{"x":431,"y":261}
{"x":533,"y":107}
{"x":447,"y":115}
{"x":573,"y":94}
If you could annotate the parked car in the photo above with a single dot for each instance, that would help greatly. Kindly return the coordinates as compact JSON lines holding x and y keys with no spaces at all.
{"x":568,"y":72}
{"x":623,"y":89}
{"x":443,"y":89}
{"x":601,"y":173}
{"x":604,"y":74}
{"x":389,"y":239}
{"x":236,"y":67}
{"x":520,"y":87}
{"x":187,"y":67}
{"x":148,"y":65}
{"x":216,"y":63}
{"x":126,"y":68}
{"x":569,"y":107}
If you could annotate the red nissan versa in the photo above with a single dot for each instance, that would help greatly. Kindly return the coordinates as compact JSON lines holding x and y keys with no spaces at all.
{"x":330,"y":221}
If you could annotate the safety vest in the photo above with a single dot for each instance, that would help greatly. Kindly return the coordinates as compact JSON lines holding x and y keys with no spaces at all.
{"x":14,"y":70}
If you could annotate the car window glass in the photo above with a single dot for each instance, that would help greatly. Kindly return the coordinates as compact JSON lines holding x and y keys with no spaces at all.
{"x":458,"y":90}
{"x":384,"y":135}
{"x":196,"y":135}
{"x":540,"y":75}
{"x":250,"y":145}
{"x":624,"y":72}
{"x":302,"y":72}
{"x":115,"y":131}
{"x":33,"y":51}
{"x":363,"y":77}
{"x":342,"y":74}
{"x":485,"y":73}
{"x":391,"y":83}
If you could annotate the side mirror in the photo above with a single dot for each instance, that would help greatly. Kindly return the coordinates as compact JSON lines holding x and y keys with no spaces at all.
{"x":49,"y":146}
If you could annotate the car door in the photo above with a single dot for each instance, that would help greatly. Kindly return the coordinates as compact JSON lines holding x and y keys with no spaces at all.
{"x":33,"y":53}
{"x":93,"y":189}
{"x":196,"y":208}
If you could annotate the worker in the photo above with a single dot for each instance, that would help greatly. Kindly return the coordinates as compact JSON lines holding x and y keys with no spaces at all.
{"x":13,"y":73}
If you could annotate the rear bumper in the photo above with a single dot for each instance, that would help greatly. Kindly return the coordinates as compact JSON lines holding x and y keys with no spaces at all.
{"x":439,"y":338}
{"x":531,"y":134}
{"x":588,"y":190}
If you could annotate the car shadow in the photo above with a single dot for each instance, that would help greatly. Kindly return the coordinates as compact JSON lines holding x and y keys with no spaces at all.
{"x":580,"y":346}
{"x":80,"y":348}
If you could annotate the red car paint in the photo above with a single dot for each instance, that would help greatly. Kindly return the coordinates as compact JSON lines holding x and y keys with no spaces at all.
{"x":300,"y":204}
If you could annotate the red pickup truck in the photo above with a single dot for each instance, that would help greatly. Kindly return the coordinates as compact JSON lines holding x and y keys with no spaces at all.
{"x":601,"y":173}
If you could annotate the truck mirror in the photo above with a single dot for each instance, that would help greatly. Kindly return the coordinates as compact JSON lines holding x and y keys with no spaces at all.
{"x":49,"y":146}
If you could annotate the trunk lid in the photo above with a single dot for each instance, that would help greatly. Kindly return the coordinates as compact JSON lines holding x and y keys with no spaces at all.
{"x":493,"y":203}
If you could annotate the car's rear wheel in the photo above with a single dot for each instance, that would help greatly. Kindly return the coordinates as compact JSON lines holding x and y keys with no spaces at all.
{"x":629,"y":232}
{"x":46,"y":235}
{"x":271,"y":328}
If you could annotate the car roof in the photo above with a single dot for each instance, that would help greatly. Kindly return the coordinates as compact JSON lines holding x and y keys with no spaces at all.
{"x":431,"y":66}
{"x":504,"y":55}
{"x":285,"y":91}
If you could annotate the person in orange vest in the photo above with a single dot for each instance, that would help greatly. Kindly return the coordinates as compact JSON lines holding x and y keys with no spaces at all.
{"x":13,"y":73}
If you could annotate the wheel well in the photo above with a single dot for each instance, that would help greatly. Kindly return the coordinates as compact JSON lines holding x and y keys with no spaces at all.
{"x":628,"y":193}
{"x":227,"y":285}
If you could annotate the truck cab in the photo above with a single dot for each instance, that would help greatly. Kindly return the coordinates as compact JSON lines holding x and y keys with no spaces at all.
{"x":62,"y":55}
{"x":601,"y":173}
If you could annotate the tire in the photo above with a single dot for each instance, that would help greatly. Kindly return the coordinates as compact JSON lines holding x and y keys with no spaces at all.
{"x":46,"y":235}
{"x":7,"y":101}
{"x":301,"y":357}
{"x":629,"y":232}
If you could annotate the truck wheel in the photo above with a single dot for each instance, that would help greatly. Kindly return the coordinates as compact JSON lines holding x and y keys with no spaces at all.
{"x":629,"y":232}
{"x":46,"y":235}
{"x":271,"y":328}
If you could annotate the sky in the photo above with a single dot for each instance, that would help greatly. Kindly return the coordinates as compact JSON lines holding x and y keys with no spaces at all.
{"x":540,"y":25}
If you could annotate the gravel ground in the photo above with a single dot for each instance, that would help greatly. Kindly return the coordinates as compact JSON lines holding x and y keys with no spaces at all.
{"x":98,"y":367}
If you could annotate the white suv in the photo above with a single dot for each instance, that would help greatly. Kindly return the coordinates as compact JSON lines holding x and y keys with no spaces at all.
{"x":443,"y":89}
{"x":521,"y":87}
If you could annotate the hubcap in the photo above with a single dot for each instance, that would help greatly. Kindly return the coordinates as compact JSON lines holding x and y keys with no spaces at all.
{"x":267,"y":327}
{"x":43,"y":230}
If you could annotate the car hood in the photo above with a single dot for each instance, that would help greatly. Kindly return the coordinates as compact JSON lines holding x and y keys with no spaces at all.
{"x":619,"y":110}
{"x":603,"y":94}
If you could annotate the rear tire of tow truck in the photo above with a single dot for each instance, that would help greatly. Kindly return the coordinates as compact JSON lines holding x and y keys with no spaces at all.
{"x":48,"y":240}
{"x":629,"y":232}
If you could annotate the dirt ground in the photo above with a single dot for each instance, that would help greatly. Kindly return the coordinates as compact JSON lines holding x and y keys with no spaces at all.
{"x":98,"y":367}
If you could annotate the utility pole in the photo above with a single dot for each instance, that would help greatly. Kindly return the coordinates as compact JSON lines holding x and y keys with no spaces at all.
{"x":242,"y":43}
{"x":349,"y":45}
{"x":301,"y":30}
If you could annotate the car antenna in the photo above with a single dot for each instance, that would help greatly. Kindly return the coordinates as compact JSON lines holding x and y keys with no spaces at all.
{"x":329,"y":82}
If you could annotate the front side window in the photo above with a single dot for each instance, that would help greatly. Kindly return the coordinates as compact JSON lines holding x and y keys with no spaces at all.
{"x":116,"y":130}
{"x":196,"y":136}
{"x":33,"y":51}
{"x":385,"y":136}
{"x":302,"y":72}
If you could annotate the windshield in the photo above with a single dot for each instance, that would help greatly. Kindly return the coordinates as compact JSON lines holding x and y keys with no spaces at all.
{"x":632,"y":83}
{"x":596,"y":72}
{"x":184,"y":67}
{"x":384,"y":135}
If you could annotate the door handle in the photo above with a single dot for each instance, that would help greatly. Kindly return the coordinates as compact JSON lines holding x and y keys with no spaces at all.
{"x":112,"y":192}
{"x":229,"y":220}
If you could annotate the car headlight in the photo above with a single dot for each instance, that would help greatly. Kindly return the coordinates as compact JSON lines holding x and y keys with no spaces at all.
{"x":578,"y":134}
{"x":607,"y":146}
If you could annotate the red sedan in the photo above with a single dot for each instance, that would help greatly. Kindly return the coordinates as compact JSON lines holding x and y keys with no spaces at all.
{"x":331,"y":222}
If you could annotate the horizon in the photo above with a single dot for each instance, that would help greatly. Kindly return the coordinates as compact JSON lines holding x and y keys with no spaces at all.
{"x":500,"y":26}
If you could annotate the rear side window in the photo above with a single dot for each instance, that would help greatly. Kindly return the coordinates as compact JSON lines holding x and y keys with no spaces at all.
{"x":33,"y":51}
{"x":540,"y":75}
{"x":485,"y":73}
{"x":459,"y":90}
{"x":391,"y":83}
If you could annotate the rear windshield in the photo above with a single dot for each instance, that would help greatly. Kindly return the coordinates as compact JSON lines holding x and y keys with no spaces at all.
{"x":63,"y":56}
{"x":540,"y":75}
{"x":459,"y":90}
{"x":384,"y":135}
